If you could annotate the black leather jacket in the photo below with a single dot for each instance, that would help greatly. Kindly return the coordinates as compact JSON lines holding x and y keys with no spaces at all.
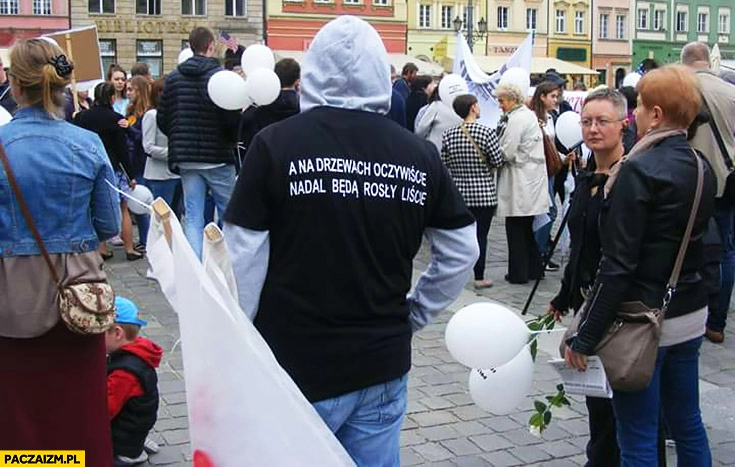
{"x":643,"y":222}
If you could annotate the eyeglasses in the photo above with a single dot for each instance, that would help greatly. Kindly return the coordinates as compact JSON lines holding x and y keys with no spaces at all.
{"x":600,"y":122}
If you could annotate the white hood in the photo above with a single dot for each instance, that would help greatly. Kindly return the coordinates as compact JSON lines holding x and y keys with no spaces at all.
{"x":346,"y":66}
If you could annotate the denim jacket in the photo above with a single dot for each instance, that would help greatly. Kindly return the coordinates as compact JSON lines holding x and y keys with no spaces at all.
{"x":61,"y":170}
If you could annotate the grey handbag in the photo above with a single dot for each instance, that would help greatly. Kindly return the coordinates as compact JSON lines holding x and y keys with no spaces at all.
{"x":629,"y":349}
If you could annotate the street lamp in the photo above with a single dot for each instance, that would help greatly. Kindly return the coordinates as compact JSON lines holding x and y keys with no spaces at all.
{"x":472,"y":36}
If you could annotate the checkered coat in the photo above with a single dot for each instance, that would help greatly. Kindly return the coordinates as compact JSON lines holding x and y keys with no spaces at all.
{"x":475,"y":178}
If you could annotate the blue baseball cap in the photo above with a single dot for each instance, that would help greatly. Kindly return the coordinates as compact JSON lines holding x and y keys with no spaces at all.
{"x":126,"y":312}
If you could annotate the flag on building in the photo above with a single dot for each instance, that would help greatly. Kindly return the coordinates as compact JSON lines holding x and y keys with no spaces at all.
{"x":481,"y":84}
{"x":228,"y":41}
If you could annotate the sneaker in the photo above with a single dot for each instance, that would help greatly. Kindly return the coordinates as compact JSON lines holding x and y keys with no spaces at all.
{"x":552,"y":266}
{"x":130,"y":461}
{"x":151,"y":446}
{"x":116,"y":241}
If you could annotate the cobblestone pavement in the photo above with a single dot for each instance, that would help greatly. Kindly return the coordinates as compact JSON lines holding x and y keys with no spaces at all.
{"x":443,"y":426}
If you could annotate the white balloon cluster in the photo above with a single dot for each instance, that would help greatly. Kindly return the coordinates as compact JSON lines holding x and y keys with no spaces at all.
{"x":493,"y":341}
{"x":631,"y":79}
{"x":230,"y":91}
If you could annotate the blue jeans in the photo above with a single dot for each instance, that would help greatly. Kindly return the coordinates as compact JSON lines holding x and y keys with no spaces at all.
{"x":675,"y":388}
{"x":725,"y":219}
{"x":220,"y":181}
{"x":543,"y":234}
{"x":165,"y":189}
{"x":368,"y":422}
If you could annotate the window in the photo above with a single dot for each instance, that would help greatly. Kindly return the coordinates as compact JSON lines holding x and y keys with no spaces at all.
{"x":502,"y":17}
{"x":194,"y":7}
{"x":603,"y":25}
{"x":579,"y":22}
{"x":681,"y":21}
{"x":642,"y":19}
{"x":8,"y":7}
{"x":101,"y":6}
{"x":723,"y":23}
{"x":424,"y":16}
{"x":108,"y":53}
{"x":620,"y":26}
{"x":347,"y":2}
{"x":561,"y":21}
{"x":446,"y":17}
{"x":41,"y":7}
{"x":703,"y":22}
{"x":148,"y":7}
{"x":380,"y":2}
{"x":531,"y":19}
{"x":237,"y":7}
{"x":151,"y":52}
{"x":658,"y":20}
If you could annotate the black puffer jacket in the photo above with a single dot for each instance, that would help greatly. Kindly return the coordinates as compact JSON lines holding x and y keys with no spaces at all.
{"x":198,"y":131}
{"x":644,"y":223}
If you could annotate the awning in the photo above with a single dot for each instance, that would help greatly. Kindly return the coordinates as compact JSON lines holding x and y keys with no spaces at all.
{"x":539,"y":65}
{"x":397,"y":60}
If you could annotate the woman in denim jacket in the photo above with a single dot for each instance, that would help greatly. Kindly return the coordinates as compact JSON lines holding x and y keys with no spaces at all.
{"x":53,"y":394}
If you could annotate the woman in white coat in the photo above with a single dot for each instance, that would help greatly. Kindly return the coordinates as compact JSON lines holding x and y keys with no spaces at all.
{"x":522,"y":183}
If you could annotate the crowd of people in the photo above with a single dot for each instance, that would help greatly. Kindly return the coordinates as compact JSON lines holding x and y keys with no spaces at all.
{"x":324,"y":272}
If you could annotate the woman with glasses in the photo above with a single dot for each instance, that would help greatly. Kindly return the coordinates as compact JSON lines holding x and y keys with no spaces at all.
{"x":603,"y":125}
{"x":647,"y":203}
{"x":523,"y":190}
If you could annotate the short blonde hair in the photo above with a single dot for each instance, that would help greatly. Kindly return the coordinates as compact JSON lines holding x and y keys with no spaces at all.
{"x":510,"y":91}
{"x":33,"y":72}
{"x":676,"y":90}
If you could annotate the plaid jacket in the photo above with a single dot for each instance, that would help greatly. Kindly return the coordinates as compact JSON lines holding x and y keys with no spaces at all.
{"x":475,"y":178}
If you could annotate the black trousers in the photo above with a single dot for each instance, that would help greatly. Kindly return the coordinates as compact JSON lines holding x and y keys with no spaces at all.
{"x":483,"y":218}
{"x":602,"y":448}
{"x":524,"y":259}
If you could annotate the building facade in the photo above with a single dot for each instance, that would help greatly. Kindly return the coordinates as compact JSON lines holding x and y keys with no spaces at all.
{"x":24,"y":19}
{"x":292,"y":24}
{"x":155,"y":31}
{"x":612,"y":40}
{"x":663,"y":28}
{"x":570,"y":31}
{"x":431,"y":31}
{"x":509,"y":23}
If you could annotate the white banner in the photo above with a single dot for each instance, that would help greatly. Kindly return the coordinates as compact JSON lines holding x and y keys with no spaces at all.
{"x":244,"y":409}
{"x":481,"y":84}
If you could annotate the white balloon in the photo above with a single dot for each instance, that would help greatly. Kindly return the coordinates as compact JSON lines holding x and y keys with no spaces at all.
{"x":450,"y":87}
{"x":227,"y":90}
{"x":503,"y":389}
{"x":568,"y":129}
{"x":5,"y":116}
{"x":485,"y":335}
{"x":263,"y":86}
{"x":517,"y":76}
{"x":631,"y":79}
{"x":257,"y":56}
{"x":185,"y":55}
{"x":142,"y":194}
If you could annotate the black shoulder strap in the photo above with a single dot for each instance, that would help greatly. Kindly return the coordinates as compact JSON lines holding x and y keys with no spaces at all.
{"x":718,"y":136}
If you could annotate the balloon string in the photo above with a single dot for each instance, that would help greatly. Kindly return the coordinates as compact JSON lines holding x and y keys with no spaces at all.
{"x":147,"y":206}
{"x":548,"y":330}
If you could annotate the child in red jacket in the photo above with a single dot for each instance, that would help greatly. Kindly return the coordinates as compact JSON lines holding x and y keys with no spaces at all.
{"x":132,"y":384}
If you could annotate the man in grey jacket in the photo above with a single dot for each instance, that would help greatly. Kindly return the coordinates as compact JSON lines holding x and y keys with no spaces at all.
{"x":719,"y":101}
{"x":327,"y":215}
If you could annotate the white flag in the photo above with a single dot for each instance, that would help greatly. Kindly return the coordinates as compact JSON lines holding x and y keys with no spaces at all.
{"x":480,"y":83}
{"x":244,"y":409}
